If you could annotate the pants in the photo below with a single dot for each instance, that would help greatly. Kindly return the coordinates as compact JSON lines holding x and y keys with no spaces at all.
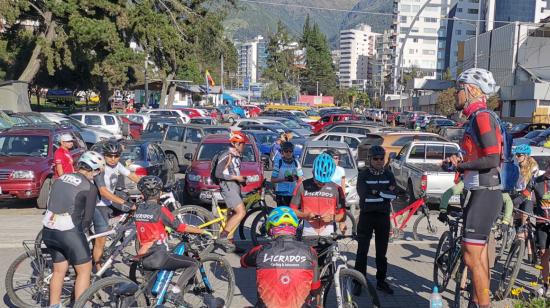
{"x":378,"y":223}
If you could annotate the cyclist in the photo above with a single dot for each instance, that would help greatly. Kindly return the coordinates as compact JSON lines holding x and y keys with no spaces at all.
{"x":151,"y":220}
{"x":542,"y":195}
{"x":482,"y":144}
{"x":528,"y":169}
{"x":107,"y":182}
{"x":228,"y":171}
{"x":338,"y":178}
{"x":286,"y":269}
{"x":372,"y":184}
{"x":276,"y":147}
{"x":69,"y":215}
{"x":287,"y":171}
{"x":62,"y":156}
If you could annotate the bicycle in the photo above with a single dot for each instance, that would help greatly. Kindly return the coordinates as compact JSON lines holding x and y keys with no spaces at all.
{"x":197,"y":292}
{"x":426,"y":216}
{"x":448,"y":253}
{"x":337,"y":278}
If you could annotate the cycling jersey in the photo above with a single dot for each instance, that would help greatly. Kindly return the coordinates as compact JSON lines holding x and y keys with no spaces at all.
{"x":369,"y":184}
{"x":151,"y":218}
{"x":229,"y":165}
{"x":286,"y":272}
{"x":71,"y":194}
{"x":283,"y":169}
{"x":320,"y":200}
{"x":109,"y":179}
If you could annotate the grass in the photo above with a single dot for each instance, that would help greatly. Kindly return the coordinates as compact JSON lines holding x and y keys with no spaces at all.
{"x":76,"y":106}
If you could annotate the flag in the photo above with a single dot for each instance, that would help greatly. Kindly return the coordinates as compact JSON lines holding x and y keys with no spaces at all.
{"x":210,"y":79}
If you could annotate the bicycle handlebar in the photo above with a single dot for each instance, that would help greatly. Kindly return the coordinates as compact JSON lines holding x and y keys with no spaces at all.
{"x":546,"y":220}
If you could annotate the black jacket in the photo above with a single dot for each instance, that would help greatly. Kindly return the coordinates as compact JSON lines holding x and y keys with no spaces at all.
{"x":369,"y":185}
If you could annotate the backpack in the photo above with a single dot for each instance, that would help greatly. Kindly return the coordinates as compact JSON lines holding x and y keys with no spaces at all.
{"x":214,"y":166}
{"x":509,"y":170}
{"x":294,"y":162}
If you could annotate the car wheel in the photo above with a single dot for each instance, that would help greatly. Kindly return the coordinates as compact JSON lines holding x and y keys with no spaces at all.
{"x":42,"y":200}
{"x":174,"y":163}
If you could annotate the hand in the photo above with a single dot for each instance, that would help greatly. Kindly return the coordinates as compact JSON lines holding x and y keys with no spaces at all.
{"x":343,"y":227}
{"x":443,"y":217}
{"x":289,"y":178}
{"x":310,"y":216}
{"x":454,"y":160}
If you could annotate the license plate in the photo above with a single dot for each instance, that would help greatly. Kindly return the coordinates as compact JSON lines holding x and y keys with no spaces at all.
{"x":455,"y":199}
{"x":207,"y":195}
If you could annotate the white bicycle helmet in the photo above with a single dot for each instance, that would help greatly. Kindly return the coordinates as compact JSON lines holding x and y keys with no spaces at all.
{"x":481,"y":78}
{"x":93,"y":160}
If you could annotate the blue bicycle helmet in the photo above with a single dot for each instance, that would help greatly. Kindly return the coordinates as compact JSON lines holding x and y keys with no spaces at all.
{"x":522,"y":149}
{"x":323,"y":168}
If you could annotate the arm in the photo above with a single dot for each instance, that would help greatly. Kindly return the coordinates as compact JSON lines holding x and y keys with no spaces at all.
{"x":508,"y":208}
{"x":118,"y":202}
{"x":127,"y":173}
{"x":275,"y":174}
{"x":58,"y":169}
{"x":296,"y":203}
{"x":91,"y":200}
{"x":361,"y":186}
{"x":249,"y":259}
{"x":170,"y":221}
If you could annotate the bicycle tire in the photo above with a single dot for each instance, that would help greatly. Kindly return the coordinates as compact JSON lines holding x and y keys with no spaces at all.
{"x":511,"y":268}
{"x":462,"y":296}
{"x":431,"y":229}
{"x":351,"y":275}
{"x":229,"y":290}
{"x":253,"y":210}
{"x":256,"y":228}
{"x":533,"y":257}
{"x":442,"y":282}
{"x":201,"y":216}
{"x":351,"y":218}
{"x":90,"y":293}
{"x":505,"y":243}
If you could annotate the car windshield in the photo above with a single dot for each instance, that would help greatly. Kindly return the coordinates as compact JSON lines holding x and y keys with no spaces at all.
{"x":24,"y":145}
{"x":518,"y":127}
{"x":292,"y":124}
{"x":454,"y":133}
{"x":207,"y":151}
{"x":132,"y":152}
{"x":155,"y":126}
{"x":533,"y":134}
{"x":216,"y":130}
{"x":265,"y":138}
{"x":444,"y":122}
{"x":346,"y":161}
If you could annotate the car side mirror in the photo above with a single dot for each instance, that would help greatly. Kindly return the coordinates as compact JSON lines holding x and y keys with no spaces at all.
{"x":188,"y":156}
{"x":361,"y":164}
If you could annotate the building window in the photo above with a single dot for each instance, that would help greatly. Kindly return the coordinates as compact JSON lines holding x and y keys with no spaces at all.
{"x":404,"y":8}
{"x":512,"y":109}
{"x":430,"y":30}
{"x":473,"y":11}
{"x":414,"y":30}
{"x":404,"y":30}
{"x":474,"y":1}
{"x":415,"y":40}
{"x":459,"y":32}
{"x":470,"y":32}
{"x":403,"y":19}
{"x":411,"y":51}
{"x":428,"y":52}
{"x":459,"y":10}
{"x":430,"y":19}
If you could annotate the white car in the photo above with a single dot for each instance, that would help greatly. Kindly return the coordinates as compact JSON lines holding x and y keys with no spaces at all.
{"x":101,"y":120}
{"x":303,"y":116}
{"x":169,"y":112}
{"x":352,"y":140}
{"x":90,"y":135}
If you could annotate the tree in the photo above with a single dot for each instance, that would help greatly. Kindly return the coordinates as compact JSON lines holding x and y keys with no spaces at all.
{"x":447,"y":75}
{"x":319,"y":75}
{"x":281,"y":71}
{"x":445,"y":103}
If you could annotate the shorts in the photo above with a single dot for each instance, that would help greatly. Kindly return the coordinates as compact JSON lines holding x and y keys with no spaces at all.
{"x":523,"y":203}
{"x":70,"y":245}
{"x":283,"y":200}
{"x":101,"y":219}
{"x":231,"y":194}
{"x":480,"y":213}
{"x":543,"y":240}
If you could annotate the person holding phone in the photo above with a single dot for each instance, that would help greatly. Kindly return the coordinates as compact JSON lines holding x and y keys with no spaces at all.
{"x":287,"y":172}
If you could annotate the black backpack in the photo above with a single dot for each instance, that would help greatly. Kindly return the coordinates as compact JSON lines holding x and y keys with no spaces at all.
{"x":214,"y":166}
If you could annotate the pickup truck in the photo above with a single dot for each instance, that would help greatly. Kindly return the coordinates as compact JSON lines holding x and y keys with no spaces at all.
{"x":419,"y":164}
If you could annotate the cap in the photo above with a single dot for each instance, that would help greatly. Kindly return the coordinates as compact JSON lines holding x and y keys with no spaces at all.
{"x":66,"y":137}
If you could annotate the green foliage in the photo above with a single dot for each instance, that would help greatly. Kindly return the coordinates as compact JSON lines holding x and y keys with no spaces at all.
{"x":532,"y":303}
{"x":447,"y":75}
{"x":445,"y":103}
{"x":352,"y":97}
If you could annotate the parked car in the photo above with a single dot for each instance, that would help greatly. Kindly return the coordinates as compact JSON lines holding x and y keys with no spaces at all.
{"x":191,"y":112}
{"x":410,"y":121}
{"x":197,"y":178}
{"x":203,"y":121}
{"x":527,"y":138}
{"x":143,"y":158}
{"x":267,"y":124}
{"x":102,"y":120}
{"x":297,"y":126}
{"x":417,"y":168}
{"x":265,"y":140}
{"x":28,"y":117}
{"x":392,"y":142}
{"x":402,"y":118}
{"x":392,"y":116}
{"x":520,"y":130}
{"x":436,"y":124}
{"x":302,"y":115}
{"x":314,"y":148}
{"x":182,"y":139}
{"x":26,"y":160}
{"x":352,"y":127}
{"x":130,"y":129}
{"x":90,"y":134}
{"x":140,"y":118}
{"x":352,"y":140}
{"x":5,"y":121}
{"x":168,"y":113}
{"x":252,"y":111}
{"x":157,"y":127}
{"x":540,"y":139}
{"x":298,"y":116}
{"x":451,"y":133}
{"x":331,"y":118}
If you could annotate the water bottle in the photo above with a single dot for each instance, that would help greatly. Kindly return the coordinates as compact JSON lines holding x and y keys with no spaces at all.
{"x":435,"y":299}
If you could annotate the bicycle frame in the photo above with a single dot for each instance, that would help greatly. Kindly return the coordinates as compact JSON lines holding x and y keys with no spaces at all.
{"x":411,"y":208}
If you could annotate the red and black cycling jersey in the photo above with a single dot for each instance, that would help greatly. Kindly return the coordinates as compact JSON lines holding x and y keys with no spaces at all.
{"x":151,"y":218}
{"x":286,"y":272}
{"x":482,"y":145}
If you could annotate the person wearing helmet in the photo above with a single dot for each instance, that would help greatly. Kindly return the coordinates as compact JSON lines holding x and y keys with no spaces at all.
{"x":62,"y":157}
{"x":151,"y":221}
{"x":375,"y":186}
{"x":542,"y":209}
{"x":482,"y":146}
{"x":107,"y":182}
{"x":299,"y":283}
{"x":68,"y":217}
{"x":338,"y":178}
{"x":287,"y":171}
{"x":228,"y":172}
{"x":318,"y":201}
{"x":528,"y":170}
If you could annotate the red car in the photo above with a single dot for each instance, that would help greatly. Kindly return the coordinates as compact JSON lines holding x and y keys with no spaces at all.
{"x":191,"y":112}
{"x":252,"y":110}
{"x":392,"y":116}
{"x":330,"y":119}
{"x":26,"y":160}
{"x":197,"y":178}
{"x":135,"y":128}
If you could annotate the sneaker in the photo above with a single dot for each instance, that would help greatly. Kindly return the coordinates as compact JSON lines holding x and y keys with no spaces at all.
{"x":384,"y":287}
{"x":356,"y":288}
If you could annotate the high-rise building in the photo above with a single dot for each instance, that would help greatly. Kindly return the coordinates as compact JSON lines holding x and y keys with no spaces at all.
{"x":501,"y":11}
{"x":356,"y":47}
{"x":383,"y":65}
{"x":252,"y":57}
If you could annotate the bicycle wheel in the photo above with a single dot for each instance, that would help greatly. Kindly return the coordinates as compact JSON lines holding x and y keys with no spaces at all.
{"x":106,"y":293}
{"x":511,"y":268}
{"x":506,"y":242}
{"x":347,"y":278}
{"x":246,"y":218}
{"x":351,"y":224}
{"x":258,"y":233}
{"x":463,"y":288}
{"x":215,"y":278}
{"x":442,"y":274}
{"x":195,"y":215}
{"x":426,"y":226}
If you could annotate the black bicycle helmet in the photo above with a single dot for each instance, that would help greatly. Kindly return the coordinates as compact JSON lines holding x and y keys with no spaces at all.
{"x":377,"y":150}
{"x":112,"y":147}
{"x":150,"y":186}
{"x":287,"y":146}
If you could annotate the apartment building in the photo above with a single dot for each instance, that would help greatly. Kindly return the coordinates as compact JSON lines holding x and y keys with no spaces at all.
{"x":357,"y":46}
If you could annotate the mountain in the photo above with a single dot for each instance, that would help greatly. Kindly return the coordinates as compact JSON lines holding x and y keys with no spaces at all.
{"x":259,"y":18}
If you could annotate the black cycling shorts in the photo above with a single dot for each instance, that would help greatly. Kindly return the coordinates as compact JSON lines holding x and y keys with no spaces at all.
{"x":70,"y":245}
{"x":542,"y":232}
{"x":480,"y":213}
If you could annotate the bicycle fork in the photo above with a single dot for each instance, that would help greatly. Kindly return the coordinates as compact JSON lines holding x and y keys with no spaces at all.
{"x":338,"y":287}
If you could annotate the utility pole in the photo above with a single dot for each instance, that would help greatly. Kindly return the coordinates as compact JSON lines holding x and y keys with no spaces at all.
{"x":317,"y":88}
{"x":477,"y":32}
{"x":221,"y":75}
{"x":146,"y":83}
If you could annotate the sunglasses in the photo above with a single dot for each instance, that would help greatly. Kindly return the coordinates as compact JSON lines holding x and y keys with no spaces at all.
{"x":287,"y":151}
{"x":520,"y":155}
{"x":378,"y":158}
{"x":112,"y":156}
{"x":71,"y":141}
